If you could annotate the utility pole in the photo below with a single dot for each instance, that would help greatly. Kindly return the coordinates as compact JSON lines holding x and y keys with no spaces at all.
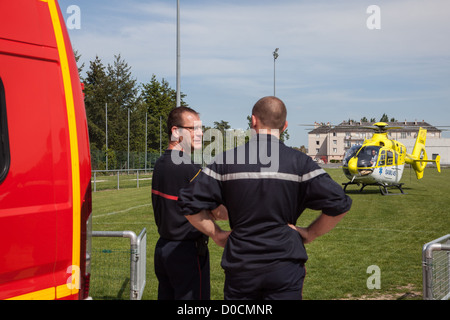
{"x":106,"y":121}
{"x":145,"y":165}
{"x":178,"y":55}
{"x":275,"y":56}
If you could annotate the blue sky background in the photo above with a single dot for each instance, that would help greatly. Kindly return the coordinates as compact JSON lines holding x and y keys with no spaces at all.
{"x":331,"y":66}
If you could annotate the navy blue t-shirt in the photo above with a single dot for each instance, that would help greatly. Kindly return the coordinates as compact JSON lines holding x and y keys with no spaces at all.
{"x":265,"y":185}
{"x":168,"y":179}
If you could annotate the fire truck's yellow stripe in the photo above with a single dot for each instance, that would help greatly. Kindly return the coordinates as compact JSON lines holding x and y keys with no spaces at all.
{"x":46,"y":294}
{"x":72,"y":135}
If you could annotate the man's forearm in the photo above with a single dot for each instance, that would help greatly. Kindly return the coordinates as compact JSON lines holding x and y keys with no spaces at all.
{"x":220,"y":213}
{"x":322,"y":225}
{"x":203,"y":222}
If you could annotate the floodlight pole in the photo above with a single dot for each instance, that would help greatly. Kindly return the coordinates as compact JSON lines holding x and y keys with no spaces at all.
{"x":178,"y":54}
{"x":106,"y":122}
{"x":145,"y":165}
{"x":160,"y":136}
{"x":128,"y":153}
{"x":275,"y":56}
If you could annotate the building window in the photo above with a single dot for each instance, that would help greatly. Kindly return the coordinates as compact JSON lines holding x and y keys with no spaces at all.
{"x":318,"y":143}
{"x":335,"y":150}
{"x":4,"y":138}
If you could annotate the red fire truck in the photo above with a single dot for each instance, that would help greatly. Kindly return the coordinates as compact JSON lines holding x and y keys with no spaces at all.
{"x":45,"y":168}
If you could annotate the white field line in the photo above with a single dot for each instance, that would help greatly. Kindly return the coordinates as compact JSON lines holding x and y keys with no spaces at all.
{"x":121,"y":211}
{"x":383,"y":230}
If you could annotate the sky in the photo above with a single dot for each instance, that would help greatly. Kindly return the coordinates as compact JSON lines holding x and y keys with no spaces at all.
{"x":338,"y":60}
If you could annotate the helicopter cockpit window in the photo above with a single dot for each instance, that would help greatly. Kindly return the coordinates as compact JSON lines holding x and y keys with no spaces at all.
{"x":382,"y":161}
{"x":390,"y":158}
{"x":350,"y":154}
{"x":368,"y":156}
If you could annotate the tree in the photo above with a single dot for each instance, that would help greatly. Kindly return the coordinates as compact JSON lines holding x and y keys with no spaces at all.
{"x":112,"y":87}
{"x":222,"y":126}
{"x":80,"y":67}
{"x":284,"y":136}
{"x":95,"y":89}
{"x":158,"y":99}
{"x":384,"y":118}
{"x":121,"y":97}
{"x":302,"y":149}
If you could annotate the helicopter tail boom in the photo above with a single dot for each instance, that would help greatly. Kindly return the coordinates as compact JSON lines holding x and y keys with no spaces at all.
{"x":418,"y":159}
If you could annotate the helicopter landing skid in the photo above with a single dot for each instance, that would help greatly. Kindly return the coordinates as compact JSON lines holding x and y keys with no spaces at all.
{"x":383,"y":188}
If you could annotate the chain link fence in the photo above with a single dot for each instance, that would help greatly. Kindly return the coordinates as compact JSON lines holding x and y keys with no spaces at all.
{"x":121,"y":160}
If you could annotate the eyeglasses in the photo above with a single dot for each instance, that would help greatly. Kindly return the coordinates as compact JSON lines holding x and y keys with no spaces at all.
{"x":191,"y":128}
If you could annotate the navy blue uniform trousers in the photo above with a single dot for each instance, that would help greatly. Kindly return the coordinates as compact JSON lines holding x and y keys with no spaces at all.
{"x":282,"y":283}
{"x":181,"y":262}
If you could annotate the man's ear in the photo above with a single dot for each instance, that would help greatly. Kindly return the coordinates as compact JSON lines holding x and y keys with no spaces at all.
{"x":175,"y":136}
{"x":285,"y":126}
{"x":254,"y":122}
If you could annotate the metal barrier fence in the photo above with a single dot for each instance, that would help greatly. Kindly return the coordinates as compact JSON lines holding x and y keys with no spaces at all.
{"x":114,"y":179}
{"x":109,"y":277}
{"x":436,"y":269}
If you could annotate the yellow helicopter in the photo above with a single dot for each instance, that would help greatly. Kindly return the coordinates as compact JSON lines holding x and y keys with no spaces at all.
{"x":381,"y":161}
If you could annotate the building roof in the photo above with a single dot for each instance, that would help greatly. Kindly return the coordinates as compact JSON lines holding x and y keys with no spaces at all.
{"x":346,"y":126}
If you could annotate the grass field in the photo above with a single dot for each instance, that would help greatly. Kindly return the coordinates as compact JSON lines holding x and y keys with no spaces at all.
{"x":385,"y":231}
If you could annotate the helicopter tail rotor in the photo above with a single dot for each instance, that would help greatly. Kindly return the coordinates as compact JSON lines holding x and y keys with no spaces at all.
{"x":418,"y":159}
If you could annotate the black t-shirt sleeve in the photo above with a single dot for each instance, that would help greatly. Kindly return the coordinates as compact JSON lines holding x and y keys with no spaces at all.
{"x":323,"y":193}
{"x":203,"y":193}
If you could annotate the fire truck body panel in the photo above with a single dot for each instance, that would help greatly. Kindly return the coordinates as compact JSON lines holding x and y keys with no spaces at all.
{"x":45,"y":199}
